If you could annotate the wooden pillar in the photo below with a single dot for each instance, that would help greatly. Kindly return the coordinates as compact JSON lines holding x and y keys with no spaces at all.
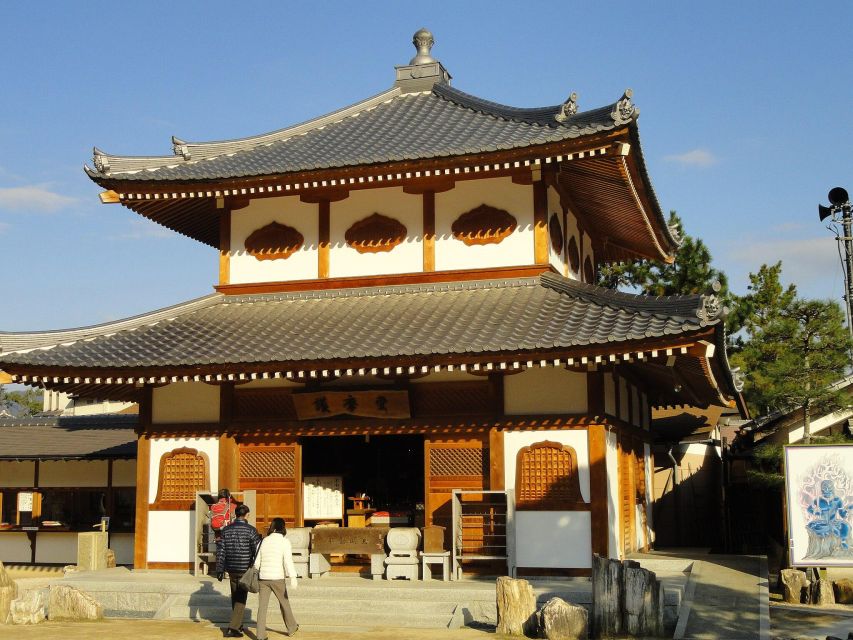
{"x":323,"y":247}
{"x":429,"y":230}
{"x":228,"y":454}
{"x":540,"y":221}
{"x":225,"y":246}
{"x":599,"y":521}
{"x":497,"y":476}
{"x":143,"y":466}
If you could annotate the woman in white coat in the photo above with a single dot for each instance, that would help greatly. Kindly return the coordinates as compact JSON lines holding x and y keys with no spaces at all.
{"x":275,"y":557}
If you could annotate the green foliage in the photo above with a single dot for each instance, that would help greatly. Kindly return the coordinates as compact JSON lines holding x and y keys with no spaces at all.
{"x":24,"y":403}
{"x":767,"y":460}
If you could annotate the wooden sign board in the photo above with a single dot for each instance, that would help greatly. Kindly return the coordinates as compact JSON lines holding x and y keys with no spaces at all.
{"x":348,"y":540}
{"x":367,"y":404}
{"x":323,"y":498}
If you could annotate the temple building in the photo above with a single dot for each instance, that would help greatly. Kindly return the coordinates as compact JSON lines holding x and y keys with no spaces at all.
{"x":406,"y":307}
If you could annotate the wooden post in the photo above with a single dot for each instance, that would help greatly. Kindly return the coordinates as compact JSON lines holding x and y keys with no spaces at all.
{"x":598,"y":489}
{"x":540,"y":222}
{"x":496,"y":460}
{"x":429,"y":230}
{"x":323,"y":247}
{"x":140,"y":538}
{"x":225,"y":246}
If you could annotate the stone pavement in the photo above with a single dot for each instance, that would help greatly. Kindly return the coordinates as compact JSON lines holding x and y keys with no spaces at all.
{"x":792,"y":621}
{"x":174,"y":630}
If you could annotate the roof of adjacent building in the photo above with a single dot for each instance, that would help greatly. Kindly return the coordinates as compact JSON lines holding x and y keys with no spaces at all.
{"x":451,"y":318}
{"x":68,"y":437}
{"x":393,"y":126}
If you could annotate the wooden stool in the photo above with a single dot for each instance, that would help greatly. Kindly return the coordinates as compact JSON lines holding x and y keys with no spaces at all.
{"x":436,"y":557}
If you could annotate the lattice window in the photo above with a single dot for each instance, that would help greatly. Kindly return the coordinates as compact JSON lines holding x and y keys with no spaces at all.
{"x":546,"y":478}
{"x":456,"y":462}
{"x":183,"y":472}
{"x":267,"y":463}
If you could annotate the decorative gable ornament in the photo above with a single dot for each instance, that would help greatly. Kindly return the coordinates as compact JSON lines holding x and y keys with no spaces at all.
{"x":274,"y":241}
{"x":181,"y":148}
{"x":625,"y":111}
{"x":376,"y":233}
{"x":484,"y":225}
{"x":568,"y":108}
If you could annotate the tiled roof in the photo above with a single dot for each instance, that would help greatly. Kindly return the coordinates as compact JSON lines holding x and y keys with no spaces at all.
{"x":60,"y":437}
{"x":392,"y":126}
{"x":525,"y":314}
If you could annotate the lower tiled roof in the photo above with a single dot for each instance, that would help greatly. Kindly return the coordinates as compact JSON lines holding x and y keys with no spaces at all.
{"x":513,"y":315}
{"x":68,"y":437}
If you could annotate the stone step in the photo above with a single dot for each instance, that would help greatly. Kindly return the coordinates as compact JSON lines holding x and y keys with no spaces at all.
{"x":332,"y":619}
{"x":184,"y":609}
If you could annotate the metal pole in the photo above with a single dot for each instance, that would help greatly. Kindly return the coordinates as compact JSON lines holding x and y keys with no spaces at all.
{"x":847,"y":222}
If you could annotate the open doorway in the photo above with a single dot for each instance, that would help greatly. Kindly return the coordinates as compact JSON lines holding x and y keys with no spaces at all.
{"x":388,"y":469}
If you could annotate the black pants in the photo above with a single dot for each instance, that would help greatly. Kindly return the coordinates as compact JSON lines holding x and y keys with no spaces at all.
{"x":238,"y":600}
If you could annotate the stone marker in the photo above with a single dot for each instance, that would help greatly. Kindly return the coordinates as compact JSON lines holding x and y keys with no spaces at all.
{"x":793,"y":583}
{"x":516,"y":607}
{"x":607,"y":596}
{"x":8,"y":592}
{"x":28,"y":609}
{"x":92,"y":550}
{"x":559,"y":620}
{"x":823,"y":593}
{"x":68,"y":603}
{"x":844,"y":591}
{"x":643,"y":601}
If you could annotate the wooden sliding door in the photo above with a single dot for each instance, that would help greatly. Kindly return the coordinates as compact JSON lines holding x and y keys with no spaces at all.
{"x":274,"y":471}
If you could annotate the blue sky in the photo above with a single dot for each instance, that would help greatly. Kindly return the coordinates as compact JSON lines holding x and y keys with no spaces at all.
{"x":745,"y":118}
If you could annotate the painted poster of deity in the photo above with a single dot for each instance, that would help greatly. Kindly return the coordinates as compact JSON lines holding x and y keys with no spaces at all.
{"x":819,"y":486}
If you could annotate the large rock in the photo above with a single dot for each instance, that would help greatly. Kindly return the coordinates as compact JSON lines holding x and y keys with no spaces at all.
{"x":793,"y":583}
{"x":28,"y":609}
{"x":68,"y":603}
{"x":8,"y":592}
{"x":559,"y":620}
{"x":823,"y":593}
{"x":608,"y":598}
{"x":516,"y":604}
{"x":844,"y":591}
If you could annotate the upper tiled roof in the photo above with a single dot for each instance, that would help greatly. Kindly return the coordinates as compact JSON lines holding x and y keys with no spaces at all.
{"x":393,"y":126}
{"x":513,"y":315}
{"x":59,"y":437}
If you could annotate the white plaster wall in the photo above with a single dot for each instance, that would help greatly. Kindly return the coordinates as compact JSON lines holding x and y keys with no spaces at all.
{"x":186,"y":402}
{"x":623,"y":400}
{"x":80,"y":408}
{"x":816,"y":426}
{"x":449,"y":376}
{"x":647,"y":456}
{"x":557,"y":260}
{"x":124,"y":473}
{"x":612,"y":458}
{"x":289,"y":210}
{"x":545,"y":390}
{"x":271,"y":383}
{"x":575,"y":438}
{"x":170,"y":536}
{"x":572,"y":231}
{"x":161,"y":446}
{"x":609,"y":394}
{"x":587,"y":251}
{"x":559,"y":539}
{"x":122,"y":546}
{"x":407,"y":257}
{"x":517,"y":249}
{"x":15,"y":548}
{"x":551,"y":538}
{"x":56,"y":548}
{"x":17,"y":474}
{"x":73,"y":473}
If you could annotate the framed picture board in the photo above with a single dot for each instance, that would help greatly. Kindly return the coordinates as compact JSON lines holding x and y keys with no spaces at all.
{"x":819,"y":494}
{"x":322,"y":498}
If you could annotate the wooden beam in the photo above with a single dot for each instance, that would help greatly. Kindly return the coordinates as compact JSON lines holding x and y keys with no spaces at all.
{"x":598,"y":489}
{"x":5,"y":378}
{"x":540,"y":222}
{"x":497,"y":475}
{"x":109,"y":197}
{"x":225,"y":247}
{"x":140,"y":536}
{"x":429,"y":230}
{"x":323,"y":247}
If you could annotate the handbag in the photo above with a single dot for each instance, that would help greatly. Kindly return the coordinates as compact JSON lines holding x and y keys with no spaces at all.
{"x":250,"y":580}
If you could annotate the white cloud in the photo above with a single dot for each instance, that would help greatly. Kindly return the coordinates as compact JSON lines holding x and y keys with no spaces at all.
{"x":35,"y":198}
{"x":694,"y":158}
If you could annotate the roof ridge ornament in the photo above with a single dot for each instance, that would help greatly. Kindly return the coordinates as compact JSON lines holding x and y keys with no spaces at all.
{"x":423,"y":42}
{"x":568,"y":108}
{"x":624,"y":111}
{"x":102,"y":162}
{"x":181,"y":148}
{"x":712,"y":305}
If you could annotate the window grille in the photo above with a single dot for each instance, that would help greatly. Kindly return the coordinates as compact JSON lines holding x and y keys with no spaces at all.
{"x":546,"y":478}
{"x":183,"y":472}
